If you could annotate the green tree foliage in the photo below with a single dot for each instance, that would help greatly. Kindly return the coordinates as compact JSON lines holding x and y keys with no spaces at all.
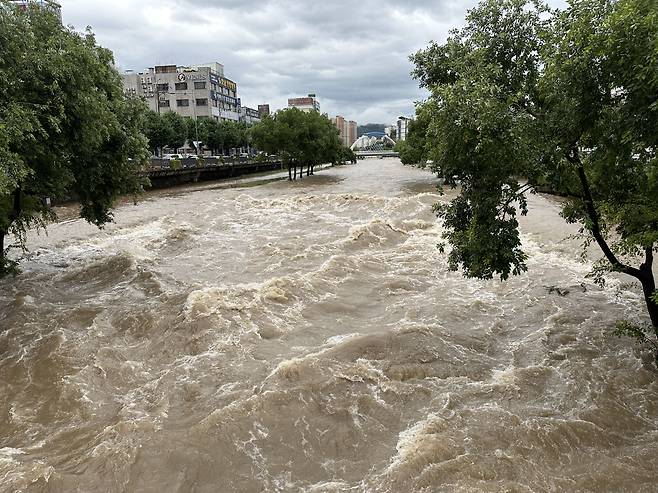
{"x":66,"y":128}
{"x":567,"y":99}
{"x":299,"y":138}
{"x":413,"y":150}
{"x":157,"y":131}
{"x":179,"y":131}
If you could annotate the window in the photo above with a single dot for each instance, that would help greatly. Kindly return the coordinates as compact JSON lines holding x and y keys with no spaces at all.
{"x":163,"y":87}
{"x":164,"y":104}
{"x":181,"y":86}
{"x":202,"y":102}
{"x":182,"y":102}
{"x":199,"y":85}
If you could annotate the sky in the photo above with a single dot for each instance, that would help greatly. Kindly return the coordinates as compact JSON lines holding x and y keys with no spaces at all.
{"x":353,"y":54}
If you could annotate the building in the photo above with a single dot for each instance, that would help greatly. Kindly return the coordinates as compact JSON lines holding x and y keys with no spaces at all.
{"x":346,"y":129}
{"x":249,"y":115}
{"x":352,"y":130}
{"x":392,"y":132}
{"x":264,"y":110}
{"x":44,"y":4}
{"x":196,"y":91}
{"x":341,"y":125}
{"x":403,"y":128}
{"x":309,"y":103}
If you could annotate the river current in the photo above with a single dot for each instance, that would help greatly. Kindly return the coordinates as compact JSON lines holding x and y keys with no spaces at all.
{"x":308,"y":337}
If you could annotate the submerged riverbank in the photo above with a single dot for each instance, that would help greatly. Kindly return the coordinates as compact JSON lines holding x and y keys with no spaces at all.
{"x":307,"y":336}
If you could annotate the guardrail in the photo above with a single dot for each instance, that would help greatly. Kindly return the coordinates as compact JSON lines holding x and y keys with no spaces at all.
{"x":192,"y":164}
{"x":164,"y":173}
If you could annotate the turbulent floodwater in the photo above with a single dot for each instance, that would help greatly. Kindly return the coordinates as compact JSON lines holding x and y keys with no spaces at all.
{"x":307,"y":337}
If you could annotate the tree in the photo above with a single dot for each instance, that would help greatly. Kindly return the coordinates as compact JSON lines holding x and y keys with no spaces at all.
{"x":413,"y":149}
{"x":299,"y":138}
{"x":66,"y":128}
{"x":567,"y":99}
{"x":157,"y":130}
{"x":178,"y":130}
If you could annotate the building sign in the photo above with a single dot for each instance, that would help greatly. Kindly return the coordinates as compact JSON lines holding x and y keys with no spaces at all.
{"x":185,"y":77}
{"x":214,"y":79}
{"x":222,"y":97}
{"x":229,"y":84}
{"x":230,"y":115}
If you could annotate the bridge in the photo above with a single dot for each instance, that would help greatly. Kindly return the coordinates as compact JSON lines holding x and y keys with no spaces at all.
{"x":379,"y":154}
{"x":374,"y":144}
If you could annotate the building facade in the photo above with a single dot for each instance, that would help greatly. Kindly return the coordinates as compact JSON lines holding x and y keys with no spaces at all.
{"x":352,"y":130}
{"x":197,"y":91}
{"x":249,"y":115}
{"x":44,"y":4}
{"x":309,"y":103}
{"x":341,"y":125}
{"x":347,"y":130}
{"x":264,"y":110}
{"x":403,"y":128}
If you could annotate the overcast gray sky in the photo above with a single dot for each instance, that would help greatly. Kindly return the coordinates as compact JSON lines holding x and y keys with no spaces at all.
{"x":352,"y":53}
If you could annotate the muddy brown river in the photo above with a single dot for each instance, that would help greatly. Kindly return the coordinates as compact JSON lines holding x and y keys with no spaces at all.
{"x":308,"y":337}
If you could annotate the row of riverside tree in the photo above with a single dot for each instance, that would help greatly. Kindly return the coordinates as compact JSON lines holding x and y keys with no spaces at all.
{"x":567,"y":99}
{"x":300,"y":139}
{"x":66,"y":128}
{"x":171,"y":130}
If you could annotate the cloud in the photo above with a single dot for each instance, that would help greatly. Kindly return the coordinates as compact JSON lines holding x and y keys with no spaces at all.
{"x":353,"y":55}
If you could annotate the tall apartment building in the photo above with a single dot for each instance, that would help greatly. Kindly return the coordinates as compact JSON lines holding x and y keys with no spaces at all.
{"x":347,"y":130}
{"x":44,"y":4}
{"x":403,"y":128}
{"x":352,"y":130}
{"x":343,"y":131}
{"x":196,"y":91}
{"x":309,"y":103}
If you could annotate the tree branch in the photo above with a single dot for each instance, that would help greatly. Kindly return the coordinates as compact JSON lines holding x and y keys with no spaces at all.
{"x":574,"y":158}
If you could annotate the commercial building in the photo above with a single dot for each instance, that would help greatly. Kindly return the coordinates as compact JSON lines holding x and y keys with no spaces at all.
{"x":263,"y":110}
{"x":196,"y":91}
{"x":44,"y":4}
{"x":403,"y":128}
{"x":309,"y":103}
{"x":249,"y":115}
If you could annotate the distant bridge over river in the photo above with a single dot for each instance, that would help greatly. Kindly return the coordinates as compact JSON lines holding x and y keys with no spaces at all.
{"x":379,"y":154}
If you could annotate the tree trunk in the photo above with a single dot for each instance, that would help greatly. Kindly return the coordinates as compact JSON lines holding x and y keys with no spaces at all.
{"x":2,"y":248}
{"x":289,"y":172}
{"x":649,"y":287}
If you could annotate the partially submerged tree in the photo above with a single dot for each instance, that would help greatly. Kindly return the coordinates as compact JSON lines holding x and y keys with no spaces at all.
{"x":566,"y":99}
{"x":299,"y":138}
{"x":66,"y":128}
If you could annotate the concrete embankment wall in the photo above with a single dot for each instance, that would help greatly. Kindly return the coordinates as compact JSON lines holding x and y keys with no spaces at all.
{"x":163,"y":174}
